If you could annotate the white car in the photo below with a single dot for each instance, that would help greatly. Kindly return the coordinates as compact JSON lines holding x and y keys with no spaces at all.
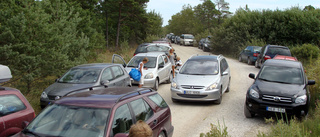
{"x":158,"y":69}
{"x":187,"y":39}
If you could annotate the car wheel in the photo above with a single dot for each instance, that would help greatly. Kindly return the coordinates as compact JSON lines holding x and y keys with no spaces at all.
{"x":156,"y":85}
{"x":170,"y":78}
{"x":162,"y":134}
{"x":240,"y":59}
{"x":220,"y":98}
{"x":247,"y":112}
{"x":249,"y":61}
{"x":42,"y":107}
{"x":256,"y":64}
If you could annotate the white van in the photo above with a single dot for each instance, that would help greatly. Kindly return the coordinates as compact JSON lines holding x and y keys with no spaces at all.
{"x":187,"y":39}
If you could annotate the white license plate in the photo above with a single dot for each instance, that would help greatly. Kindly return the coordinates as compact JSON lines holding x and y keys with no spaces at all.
{"x":191,"y":92}
{"x":274,"y":109}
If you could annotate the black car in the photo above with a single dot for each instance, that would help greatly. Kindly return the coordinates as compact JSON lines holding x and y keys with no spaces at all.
{"x":86,"y":77}
{"x":269,"y":51}
{"x":281,"y":86}
{"x":249,"y":54}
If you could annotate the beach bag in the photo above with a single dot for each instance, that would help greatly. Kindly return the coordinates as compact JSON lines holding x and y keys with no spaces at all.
{"x":135,"y":74}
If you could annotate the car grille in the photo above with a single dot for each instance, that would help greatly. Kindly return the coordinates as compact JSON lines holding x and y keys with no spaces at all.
{"x":277,"y":99}
{"x":192,"y":87}
{"x":191,"y":96}
{"x":51,"y":97}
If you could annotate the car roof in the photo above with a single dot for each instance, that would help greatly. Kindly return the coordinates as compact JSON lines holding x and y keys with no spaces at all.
{"x":205,"y":57}
{"x":160,"y":44}
{"x":283,"y":63}
{"x":151,"y":54}
{"x":278,"y":46}
{"x":95,"y":65}
{"x":102,"y":98}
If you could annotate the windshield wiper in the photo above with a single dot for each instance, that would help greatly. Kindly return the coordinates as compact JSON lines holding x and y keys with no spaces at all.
{"x":266,"y":80}
{"x":27,"y":131}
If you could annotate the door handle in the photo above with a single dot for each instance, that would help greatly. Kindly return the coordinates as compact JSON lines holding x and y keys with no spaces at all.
{"x":155,"y":122}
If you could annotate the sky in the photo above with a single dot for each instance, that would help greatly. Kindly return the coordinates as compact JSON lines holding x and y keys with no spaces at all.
{"x":167,"y":8}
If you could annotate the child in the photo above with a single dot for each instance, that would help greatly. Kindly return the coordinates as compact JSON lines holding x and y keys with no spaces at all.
{"x":178,"y":63}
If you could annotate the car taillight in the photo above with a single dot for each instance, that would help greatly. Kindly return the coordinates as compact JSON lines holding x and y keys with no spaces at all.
{"x":255,"y":54}
{"x":267,"y":57}
{"x":134,"y":54}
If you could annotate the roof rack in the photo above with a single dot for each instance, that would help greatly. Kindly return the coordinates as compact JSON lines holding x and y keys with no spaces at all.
{"x":140,"y":92}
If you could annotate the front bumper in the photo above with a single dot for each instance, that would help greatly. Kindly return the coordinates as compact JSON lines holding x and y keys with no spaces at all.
{"x":148,"y":83}
{"x":45,"y":101}
{"x":188,"y":43}
{"x":259,"y":106}
{"x":180,"y":94}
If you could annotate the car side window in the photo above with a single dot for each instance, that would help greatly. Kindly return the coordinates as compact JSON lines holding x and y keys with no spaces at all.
{"x":141,"y":109}
{"x":10,"y":104}
{"x":107,"y":75}
{"x":157,"y":99}
{"x":223,"y":65}
{"x":160,"y":61}
{"x":117,"y":71}
{"x":122,"y":120}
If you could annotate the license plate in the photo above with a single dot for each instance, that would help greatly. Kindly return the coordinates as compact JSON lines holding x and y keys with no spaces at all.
{"x":274,"y":109}
{"x":191,"y":92}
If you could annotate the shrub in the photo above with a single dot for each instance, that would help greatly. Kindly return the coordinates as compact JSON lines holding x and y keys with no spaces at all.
{"x":216,"y":131}
{"x":306,"y":52}
{"x":151,"y":38}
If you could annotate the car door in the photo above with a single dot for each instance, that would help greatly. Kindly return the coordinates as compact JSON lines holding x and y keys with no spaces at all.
{"x":118,"y":60}
{"x":167,"y":66}
{"x":108,"y":78}
{"x":120,"y":79}
{"x":161,"y":70}
{"x":224,"y":74}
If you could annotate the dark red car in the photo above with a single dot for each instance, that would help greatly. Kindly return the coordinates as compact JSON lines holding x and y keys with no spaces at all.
{"x":102,"y":113}
{"x":15,"y":110}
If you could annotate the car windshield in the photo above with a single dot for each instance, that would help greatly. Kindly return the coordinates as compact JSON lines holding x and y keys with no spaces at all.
{"x":255,"y":49}
{"x":279,"y":51}
{"x":188,"y":37}
{"x":157,"y":48}
{"x":134,"y":62}
{"x":200,"y":67}
{"x":81,"y":75}
{"x":70,"y":121}
{"x":281,"y":75}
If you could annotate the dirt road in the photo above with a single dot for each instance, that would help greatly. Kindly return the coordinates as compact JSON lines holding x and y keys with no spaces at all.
{"x":191,"y":119}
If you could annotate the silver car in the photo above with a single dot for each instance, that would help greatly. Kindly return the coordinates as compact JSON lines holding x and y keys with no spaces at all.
{"x":201,"y":78}
{"x":158,"y":70}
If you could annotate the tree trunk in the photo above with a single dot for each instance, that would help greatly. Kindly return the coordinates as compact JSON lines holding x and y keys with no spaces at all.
{"x":119,"y":24}
{"x":107,"y":29}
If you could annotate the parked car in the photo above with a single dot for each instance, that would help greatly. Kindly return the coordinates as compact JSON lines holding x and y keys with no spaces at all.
{"x":201,"y":78}
{"x":285,"y":57}
{"x":269,"y":51}
{"x":158,"y":69}
{"x":85,"y":78}
{"x":249,"y":54}
{"x":207,"y":44}
{"x":172,"y":38}
{"x":187,"y":39}
{"x":281,"y":86}
{"x":200,"y":44}
{"x":177,"y":40}
{"x":15,"y":110}
{"x":141,"y":48}
{"x":102,"y":113}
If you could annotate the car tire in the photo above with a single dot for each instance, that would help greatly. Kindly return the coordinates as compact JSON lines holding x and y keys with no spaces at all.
{"x":247,"y":112}
{"x":162,"y":134}
{"x":240,"y":59}
{"x":220,"y":98}
{"x":249,"y":61}
{"x":170,"y":78}
{"x":156,"y":85}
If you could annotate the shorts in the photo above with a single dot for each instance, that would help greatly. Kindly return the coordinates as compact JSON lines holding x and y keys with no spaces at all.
{"x":141,"y":82}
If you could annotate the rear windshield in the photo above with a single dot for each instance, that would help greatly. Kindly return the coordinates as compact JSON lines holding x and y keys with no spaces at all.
{"x":278,"y":51}
{"x":157,"y":48}
{"x":10,"y":104}
{"x":81,"y":76}
{"x":281,"y":74}
{"x":255,"y":49}
{"x":200,"y":67}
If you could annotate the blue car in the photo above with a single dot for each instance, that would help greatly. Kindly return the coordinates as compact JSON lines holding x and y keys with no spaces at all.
{"x":249,"y":54}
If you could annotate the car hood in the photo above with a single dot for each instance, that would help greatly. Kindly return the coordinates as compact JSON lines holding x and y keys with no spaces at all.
{"x":279,"y":89}
{"x":144,"y":72}
{"x":197,"y":80}
{"x":61,"y":89}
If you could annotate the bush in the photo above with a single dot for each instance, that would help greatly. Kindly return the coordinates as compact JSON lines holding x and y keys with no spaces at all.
{"x":216,"y":131}
{"x":151,"y":38}
{"x":306,"y":52}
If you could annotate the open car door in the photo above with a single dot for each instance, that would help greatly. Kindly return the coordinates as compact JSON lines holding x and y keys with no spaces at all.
{"x":118,"y":60}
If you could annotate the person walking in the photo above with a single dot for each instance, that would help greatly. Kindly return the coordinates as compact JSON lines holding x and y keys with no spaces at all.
{"x":140,"y":68}
{"x":171,"y":58}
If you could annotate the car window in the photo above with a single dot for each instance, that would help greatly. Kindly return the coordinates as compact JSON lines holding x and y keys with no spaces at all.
{"x":157,"y":48}
{"x":134,"y":62}
{"x":281,"y":74}
{"x":107,"y":75}
{"x":81,"y":75}
{"x":10,"y":104}
{"x":122,"y":120}
{"x":117,"y":71}
{"x":141,"y":109}
{"x":279,"y":51}
{"x":160,"y":61}
{"x":224,"y":65}
{"x":255,"y":49}
{"x":200,"y":67}
{"x":157,"y":99}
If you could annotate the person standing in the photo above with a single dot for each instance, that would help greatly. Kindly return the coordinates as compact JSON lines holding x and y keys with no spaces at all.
{"x":140,"y":68}
{"x":171,"y":58}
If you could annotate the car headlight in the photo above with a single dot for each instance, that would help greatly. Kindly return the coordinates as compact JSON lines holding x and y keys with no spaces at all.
{"x":44,"y":95}
{"x":302,"y":99}
{"x":174,"y":85}
{"x":149,"y":76}
{"x":254,"y":93}
{"x":212,"y":86}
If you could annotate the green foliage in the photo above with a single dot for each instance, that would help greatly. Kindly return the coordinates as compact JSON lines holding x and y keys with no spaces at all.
{"x":306,"y":52}
{"x":151,"y":38}
{"x":201,"y":35}
{"x":313,"y":73}
{"x":216,"y":131}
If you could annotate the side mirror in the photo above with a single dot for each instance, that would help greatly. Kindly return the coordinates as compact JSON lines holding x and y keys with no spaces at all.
{"x":251,"y":75}
{"x":124,"y":65}
{"x":225,"y":73}
{"x":311,"y":82}
{"x":104,"y":82}
{"x":25,"y":124}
